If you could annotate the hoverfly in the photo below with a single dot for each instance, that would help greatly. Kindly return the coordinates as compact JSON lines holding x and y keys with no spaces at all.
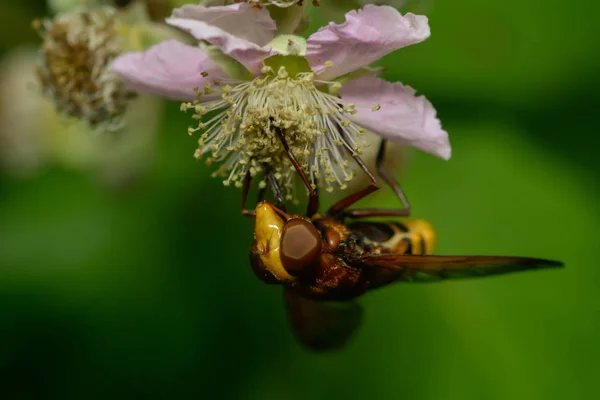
{"x":326,"y":261}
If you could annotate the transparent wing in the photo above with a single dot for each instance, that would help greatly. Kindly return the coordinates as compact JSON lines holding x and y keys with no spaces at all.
{"x":322,"y":326}
{"x":427,"y":268}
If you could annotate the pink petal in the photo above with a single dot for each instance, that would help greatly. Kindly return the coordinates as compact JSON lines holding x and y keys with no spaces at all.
{"x":240,"y":19}
{"x":171,"y":69}
{"x":403,"y":117}
{"x":365,"y":37}
{"x":238,"y":30}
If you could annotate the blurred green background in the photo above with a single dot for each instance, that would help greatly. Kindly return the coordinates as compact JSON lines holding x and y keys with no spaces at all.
{"x":144,"y":290}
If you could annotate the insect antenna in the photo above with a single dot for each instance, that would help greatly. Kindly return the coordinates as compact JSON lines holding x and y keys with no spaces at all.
{"x":277,"y":194}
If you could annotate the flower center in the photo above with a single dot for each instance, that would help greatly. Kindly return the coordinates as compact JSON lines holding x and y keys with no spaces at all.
{"x":243,"y":134}
{"x":74,"y":69}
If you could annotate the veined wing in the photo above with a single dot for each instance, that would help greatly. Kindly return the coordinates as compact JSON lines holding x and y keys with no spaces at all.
{"x":322,"y":326}
{"x":428,"y":268}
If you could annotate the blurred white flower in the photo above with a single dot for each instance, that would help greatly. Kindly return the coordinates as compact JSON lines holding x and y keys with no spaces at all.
{"x":58,"y":6}
{"x":33,"y":135}
{"x":74,"y":70}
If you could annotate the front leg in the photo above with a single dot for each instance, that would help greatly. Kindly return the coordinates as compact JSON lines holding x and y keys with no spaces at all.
{"x":387,"y":177}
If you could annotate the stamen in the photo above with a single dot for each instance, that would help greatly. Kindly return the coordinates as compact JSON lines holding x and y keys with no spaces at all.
{"x":246,"y":117}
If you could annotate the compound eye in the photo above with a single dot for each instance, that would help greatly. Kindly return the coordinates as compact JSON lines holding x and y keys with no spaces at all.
{"x":300,"y":246}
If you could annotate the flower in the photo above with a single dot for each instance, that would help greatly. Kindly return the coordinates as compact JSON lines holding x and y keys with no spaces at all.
{"x":38,"y":137}
{"x":318,"y":92}
{"x":334,"y":10}
{"x":74,"y":71}
{"x":57,"y":6}
{"x":254,"y":3}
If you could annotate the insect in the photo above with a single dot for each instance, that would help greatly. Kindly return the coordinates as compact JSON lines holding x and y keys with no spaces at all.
{"x":326,"y":261}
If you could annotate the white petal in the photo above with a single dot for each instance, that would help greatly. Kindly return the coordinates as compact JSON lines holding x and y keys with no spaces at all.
{"x":403,"y":117}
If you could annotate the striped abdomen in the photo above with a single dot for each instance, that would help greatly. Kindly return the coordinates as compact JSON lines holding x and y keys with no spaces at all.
{"x":406,"y":237}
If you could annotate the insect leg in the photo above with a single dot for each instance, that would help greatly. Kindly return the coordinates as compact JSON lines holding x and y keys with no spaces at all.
{"x":346,"y":202}
{"x":387,"y":177}
{"x":313,"y":202}
{"x":245,"y":190}
{"x":279,"y":203}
